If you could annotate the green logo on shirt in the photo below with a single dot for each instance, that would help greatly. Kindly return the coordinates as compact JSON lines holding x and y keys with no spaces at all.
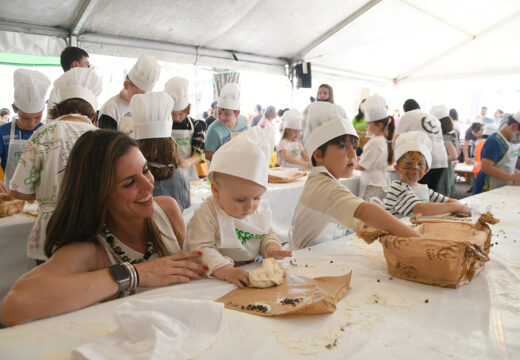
{"x":245,"y":236}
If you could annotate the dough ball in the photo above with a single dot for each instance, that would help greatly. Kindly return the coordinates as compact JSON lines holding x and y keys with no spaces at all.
{"x":270,"y":274}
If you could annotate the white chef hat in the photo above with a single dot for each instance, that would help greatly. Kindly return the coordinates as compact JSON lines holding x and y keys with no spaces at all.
{"x":489,"y":129}
{"x":414,"y":141}
{"x":80,"y":83}
{"x":145,"y":73}
{"x":30,"y":88}
{"x":229,"y":97}
{"x":247,"y":156}
{"x":325,"y":121}
{"x":177,"y":88}
{"x":439,"y":111}
{"x":293,"y":119}
{"x":516,"y":117}
{"x":374,"y":108}
{"x":151,"y":115}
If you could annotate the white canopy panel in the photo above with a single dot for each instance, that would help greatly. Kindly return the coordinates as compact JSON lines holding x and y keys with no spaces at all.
{"x":386,"y":40}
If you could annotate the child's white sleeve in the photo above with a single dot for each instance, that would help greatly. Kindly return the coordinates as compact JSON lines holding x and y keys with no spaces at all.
{"x":202,"y":231}
{"x":371,"y":156}
{"x":269,"y":238}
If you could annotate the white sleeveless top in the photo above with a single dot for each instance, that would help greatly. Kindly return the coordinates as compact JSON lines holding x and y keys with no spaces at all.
{"x":164,"y":226}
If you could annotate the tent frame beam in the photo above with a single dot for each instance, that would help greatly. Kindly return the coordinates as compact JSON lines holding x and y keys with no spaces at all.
{"x":15,"y":26}
{"x":180,"y":49}
{"x":82,"y":14}
{"x":356,"y":14}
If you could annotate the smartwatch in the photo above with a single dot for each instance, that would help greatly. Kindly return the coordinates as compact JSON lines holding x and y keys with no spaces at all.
{"x":121,"y":274}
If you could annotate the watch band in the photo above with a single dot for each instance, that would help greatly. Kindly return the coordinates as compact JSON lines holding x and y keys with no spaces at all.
{"x":121,"y":275}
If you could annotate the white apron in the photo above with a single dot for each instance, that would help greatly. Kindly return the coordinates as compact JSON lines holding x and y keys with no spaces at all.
{"x":183,"y":139}
{"x":16,"y":149}
{"x":422,"y":192}
{"x":507,"y":164}
{"x":240,"y":238}
{"x":126,"y":123}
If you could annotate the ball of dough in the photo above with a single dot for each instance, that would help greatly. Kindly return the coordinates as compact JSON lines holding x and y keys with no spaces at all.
{"x":270,"y":274}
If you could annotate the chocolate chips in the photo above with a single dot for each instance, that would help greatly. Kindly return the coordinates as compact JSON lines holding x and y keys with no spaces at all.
{"x":426,"y":301}
{"x":334,"y":344}
{"x":258,"y":307}
{"x":292,"y":302}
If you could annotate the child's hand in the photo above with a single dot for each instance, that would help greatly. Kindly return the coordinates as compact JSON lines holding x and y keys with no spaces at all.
{"x":274,"y":250}
{"x":232,"y":275}
{"x":462,"y":210}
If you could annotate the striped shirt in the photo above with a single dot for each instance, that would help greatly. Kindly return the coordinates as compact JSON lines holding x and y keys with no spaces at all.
{"x":400,"y":198}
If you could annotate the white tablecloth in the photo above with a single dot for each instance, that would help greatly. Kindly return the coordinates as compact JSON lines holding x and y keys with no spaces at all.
{"x":480,"y":320}
{"x":14,"y":229}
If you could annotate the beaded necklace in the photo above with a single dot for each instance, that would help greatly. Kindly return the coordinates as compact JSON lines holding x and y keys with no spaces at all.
{"x":110,"y":238}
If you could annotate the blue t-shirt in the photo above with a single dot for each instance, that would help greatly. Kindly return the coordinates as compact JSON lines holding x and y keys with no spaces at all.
{"x":218,"y":134}
{"x":494,"y":149}
{"x":5,"y":134}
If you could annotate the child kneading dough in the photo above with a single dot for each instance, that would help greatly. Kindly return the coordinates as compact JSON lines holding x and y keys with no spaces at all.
{"x":233,"y":227}
{"x":413,"y":151}
{"x":326,"y":205}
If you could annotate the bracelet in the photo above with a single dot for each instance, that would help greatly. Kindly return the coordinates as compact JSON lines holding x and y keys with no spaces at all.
{"x":134,"y":277}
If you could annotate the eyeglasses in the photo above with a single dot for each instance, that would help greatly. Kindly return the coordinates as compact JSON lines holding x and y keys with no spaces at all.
{"x":411,"y":164}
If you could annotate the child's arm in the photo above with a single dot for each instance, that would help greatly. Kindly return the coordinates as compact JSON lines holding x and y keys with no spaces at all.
{"x":489,"y":168}
{"x":232,"y":275}
{"x":377,"y":217}
{"x":292,"y":160}
{"x":433,"y":208}
{"x":270,"y":247}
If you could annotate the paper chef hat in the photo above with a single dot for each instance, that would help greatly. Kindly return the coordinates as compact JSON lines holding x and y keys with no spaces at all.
{"x":30,"y":88}
{"x":151,"y":114}
{"x":489,"y":129}
{"x":325,"y":121}
{"x":414,"y":141}
{"x":80,"y":83}
{"x":374,"y":108}
{"x":516,"y":117}
{"x":145,"y":73}
{"x":229,"y":97}
{"x":439,"y":111}
{"x":247,"y":156}
{"x":177,"y":88}
{"x":293,"y":119}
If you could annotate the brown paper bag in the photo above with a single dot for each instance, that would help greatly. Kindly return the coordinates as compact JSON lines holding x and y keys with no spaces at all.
{"x":9,"y":205}
{"x":297,"y":295}
{"x":449,"y":254}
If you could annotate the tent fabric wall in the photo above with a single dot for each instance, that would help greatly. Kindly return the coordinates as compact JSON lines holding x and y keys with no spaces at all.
{"x":376,"y":40}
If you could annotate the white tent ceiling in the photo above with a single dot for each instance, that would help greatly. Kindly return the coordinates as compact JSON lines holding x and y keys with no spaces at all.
{"x":380,"y":40}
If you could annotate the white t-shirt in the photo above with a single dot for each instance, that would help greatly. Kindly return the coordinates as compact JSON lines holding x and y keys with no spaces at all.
{"x":416,"y":120}
{"x":325,"y":206}
{"x":294,"y":148}
{"x":41,"y":169}
{"x":374,"y":161}
{"x":119,"y":110}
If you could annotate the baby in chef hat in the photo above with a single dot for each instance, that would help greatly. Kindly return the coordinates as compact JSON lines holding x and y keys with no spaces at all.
{"x":115,"y":113}
{"x":229,"y":124}
{"x":326,"y":207}
{"x":413,"y":153}
{"x":233,"y":226}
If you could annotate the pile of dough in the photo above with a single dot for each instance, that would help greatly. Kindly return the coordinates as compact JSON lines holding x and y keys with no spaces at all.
{"x":271,"y":273}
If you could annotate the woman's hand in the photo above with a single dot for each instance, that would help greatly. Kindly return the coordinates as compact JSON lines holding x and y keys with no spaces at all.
{"x":171,"y":269}
{"x":274,"y":250}
{"x":232,"y":275}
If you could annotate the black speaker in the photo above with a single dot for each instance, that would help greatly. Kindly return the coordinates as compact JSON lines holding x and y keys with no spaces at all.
{"x":303,"y":75}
